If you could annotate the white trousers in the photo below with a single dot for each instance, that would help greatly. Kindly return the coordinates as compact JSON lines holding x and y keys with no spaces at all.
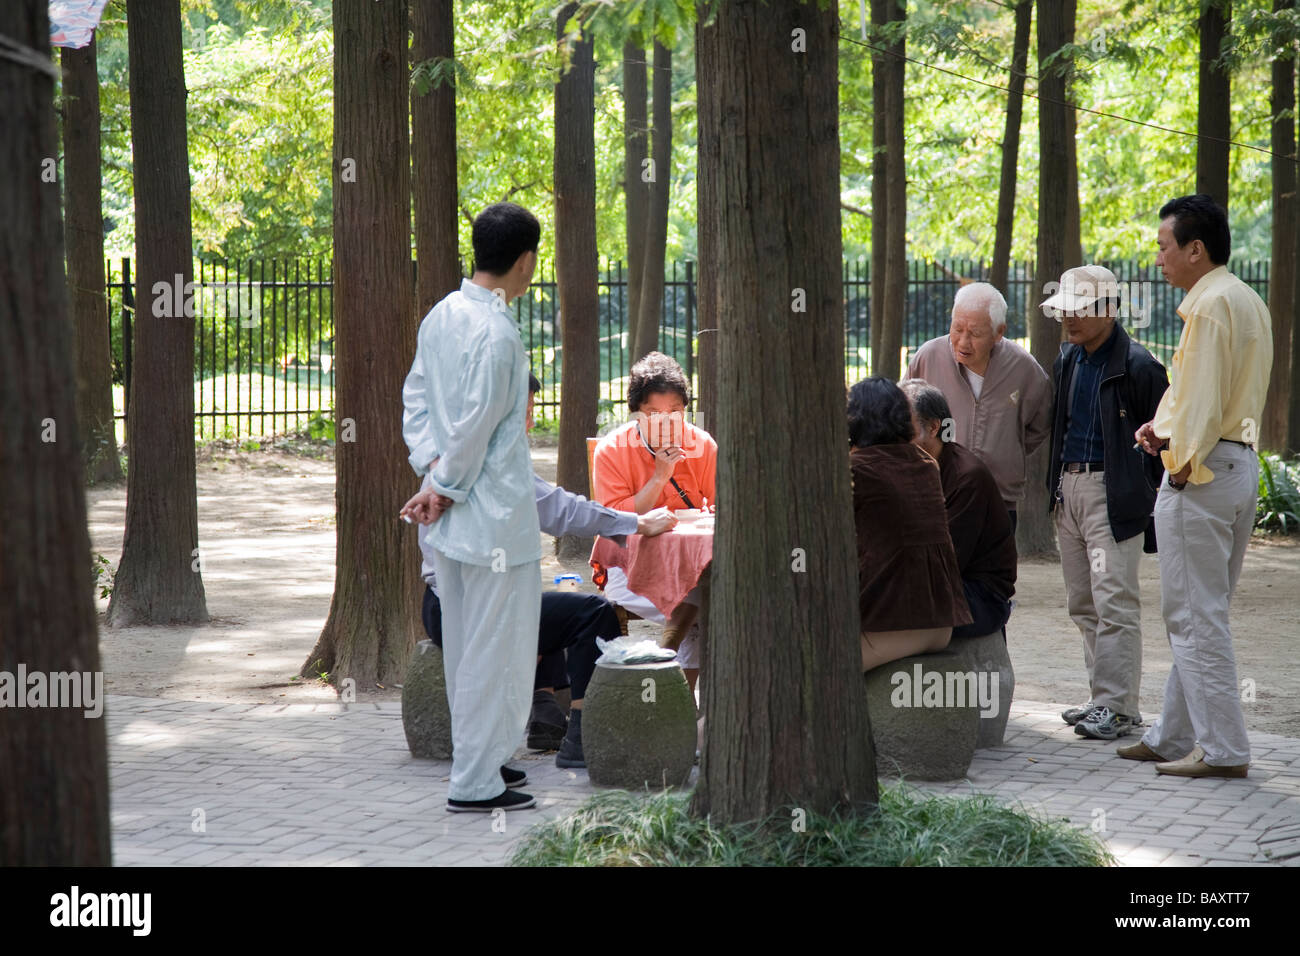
{"x":1202,"y":532}
{"x":489,"y":653}
{"x":1102,"y":593}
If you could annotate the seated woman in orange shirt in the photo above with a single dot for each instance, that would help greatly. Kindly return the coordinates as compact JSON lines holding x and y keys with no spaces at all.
{"x":658,"y":459}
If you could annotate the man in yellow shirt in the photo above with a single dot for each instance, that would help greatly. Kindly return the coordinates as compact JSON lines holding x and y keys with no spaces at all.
{"x":1204,"y":430}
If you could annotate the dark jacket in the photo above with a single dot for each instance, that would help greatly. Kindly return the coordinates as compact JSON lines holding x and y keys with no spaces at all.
{"x":1131,"y":386}
{"x":907,"y":570}
{"x":977,"y":521}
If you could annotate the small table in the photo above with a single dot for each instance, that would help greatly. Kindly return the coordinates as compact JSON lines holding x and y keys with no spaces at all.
{"x":665,"y":568}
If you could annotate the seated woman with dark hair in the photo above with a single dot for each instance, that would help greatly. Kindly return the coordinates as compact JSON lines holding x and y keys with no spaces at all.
{"x":909,"y":585}
{"x":657,"y":460}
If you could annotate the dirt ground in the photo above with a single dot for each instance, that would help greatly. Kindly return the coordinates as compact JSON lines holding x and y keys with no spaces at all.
{"x":266,"y":527}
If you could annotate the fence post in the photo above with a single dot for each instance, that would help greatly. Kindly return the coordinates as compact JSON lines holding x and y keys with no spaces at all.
{"x":690,"y":321}
{"x":128,"y":307}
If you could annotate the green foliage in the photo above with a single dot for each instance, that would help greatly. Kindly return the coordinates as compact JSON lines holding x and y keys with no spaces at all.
{"x":321,"y":426}
{"x":1278,"y":508}
{"x":910,"y":828}
{"x":102,"y":573}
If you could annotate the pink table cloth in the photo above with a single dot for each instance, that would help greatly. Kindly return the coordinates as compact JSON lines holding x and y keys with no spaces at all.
{"x":664,"y":568}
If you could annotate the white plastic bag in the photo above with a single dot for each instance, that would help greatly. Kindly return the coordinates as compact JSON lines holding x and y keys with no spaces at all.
{"x":627,"y":650}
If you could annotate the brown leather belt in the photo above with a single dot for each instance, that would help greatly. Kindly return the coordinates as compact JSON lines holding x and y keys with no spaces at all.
{"x":1079,"y":467}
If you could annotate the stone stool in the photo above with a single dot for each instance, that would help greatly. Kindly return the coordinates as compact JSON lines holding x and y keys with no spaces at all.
{"x":988,"y":655}
{"x":426,"y":716}
{"x":918,"y":732}
{"x":638,"y":726}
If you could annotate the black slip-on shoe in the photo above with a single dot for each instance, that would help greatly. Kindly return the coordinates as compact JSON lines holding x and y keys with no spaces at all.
{"x":508,"y":800}
{"x":513,"y":778}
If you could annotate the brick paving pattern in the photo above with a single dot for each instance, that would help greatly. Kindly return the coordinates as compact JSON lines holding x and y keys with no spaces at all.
{"x":198,"y":783}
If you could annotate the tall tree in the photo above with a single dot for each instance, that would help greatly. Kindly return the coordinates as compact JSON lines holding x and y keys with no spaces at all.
{"x":433,"y":154}
{"x":1213,"y":103}
{"x":1282,"y":270}
{"x":1034,"y":533}
{"x":787,"y":715}
{"x":889,"y":263}
{"x":658,"y":186}
{"x":634,"y":191}
{"x":706,"y":196}
{"x":54,"y":783}
{"x":1024,"y":12}
{"x":84,"y":233}
{"x":375,"y":612}
{"x":159,"y":579}
{"x":576,"y":271}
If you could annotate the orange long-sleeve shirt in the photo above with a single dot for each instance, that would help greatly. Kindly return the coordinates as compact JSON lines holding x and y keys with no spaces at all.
{"x":622,"y":464}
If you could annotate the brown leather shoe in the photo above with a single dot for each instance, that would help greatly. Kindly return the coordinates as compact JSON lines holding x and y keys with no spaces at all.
{"x":1194,"y":765}
{"x":1138,"y":751}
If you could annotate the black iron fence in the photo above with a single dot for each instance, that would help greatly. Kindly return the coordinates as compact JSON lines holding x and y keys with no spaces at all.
{"x":264,"y":330}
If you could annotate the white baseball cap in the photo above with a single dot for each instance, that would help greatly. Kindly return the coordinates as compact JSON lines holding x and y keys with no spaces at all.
{"x":1080,"y":287}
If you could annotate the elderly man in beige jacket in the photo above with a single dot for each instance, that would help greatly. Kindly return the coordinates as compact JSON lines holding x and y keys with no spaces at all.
{"x":1001,"y":398}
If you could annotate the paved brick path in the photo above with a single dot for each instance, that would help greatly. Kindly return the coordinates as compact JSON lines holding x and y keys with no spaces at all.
{"x":198,"y":783}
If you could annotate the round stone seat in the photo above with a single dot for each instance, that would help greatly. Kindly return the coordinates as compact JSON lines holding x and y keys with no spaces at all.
{"x":919,"y":733}
{"x":426,"y":716}
{"x":638,"y":726}
{"x":988,"y":654}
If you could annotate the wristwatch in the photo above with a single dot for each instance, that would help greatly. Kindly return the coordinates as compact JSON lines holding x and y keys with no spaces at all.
{"x":1175,"y":485}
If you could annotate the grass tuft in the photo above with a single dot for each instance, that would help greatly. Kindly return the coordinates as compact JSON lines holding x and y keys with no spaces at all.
{"x":909,"y":828}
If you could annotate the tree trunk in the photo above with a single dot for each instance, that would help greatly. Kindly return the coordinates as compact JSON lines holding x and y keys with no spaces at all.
{"x":84,"y":232}
{"x":433,"y":156}
{"x":1073,"y":222}
{"x":1011,"y":148}
{"x":159,"y":579}
{"x":881,"y":12}
{"x":895,"y":303}
{"x":787,"y":721}
{"x":54,"y":783}
{"x":658,"y":189}
{"x":1282,"y":270}
{"x":706,"y":199}
{"x":1034,"y":533}
{"x":576,"y":268}
{"x":634,"y":191}
{"x":374,"y":618}
{"x":1213,"y":105}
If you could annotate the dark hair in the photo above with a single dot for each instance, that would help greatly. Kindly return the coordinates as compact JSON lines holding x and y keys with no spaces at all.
{"x":1200,"y":217}
{"x":878,"y":413}
{"x":534,"y":386}
{"x":502,"y":233}
{"x":653,"y":375}
{"x":929,"y":402}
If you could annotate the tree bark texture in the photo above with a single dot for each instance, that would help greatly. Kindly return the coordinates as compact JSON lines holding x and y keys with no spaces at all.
{"x":1035,"y":533}
{"x":159,"y":579}
{"x":634,"y":191}
{"x":657,"y":195}
{"x":1213,"y":105}
{"x":1005,"y":227}
{"x":433,"y":160}
{"x":53,"y":760}
{"x":374,"y":617}
{"x":706,"y":193}
{"x":576,"y":267}
{"x":1282,"y":270}
{"x":84,"y":233}
{"x":787,"y":713}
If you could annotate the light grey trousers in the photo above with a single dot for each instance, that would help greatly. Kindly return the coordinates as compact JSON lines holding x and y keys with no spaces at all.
{"x":1202,"y":532}
{"x":489,"y":653}
{"x":1102,"y":595}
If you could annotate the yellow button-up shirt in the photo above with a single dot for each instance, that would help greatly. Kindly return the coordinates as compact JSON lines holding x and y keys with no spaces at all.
{"x":1219,"y":375}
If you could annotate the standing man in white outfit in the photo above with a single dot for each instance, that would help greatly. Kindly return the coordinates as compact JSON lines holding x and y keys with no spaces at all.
{"x":467,"y":391}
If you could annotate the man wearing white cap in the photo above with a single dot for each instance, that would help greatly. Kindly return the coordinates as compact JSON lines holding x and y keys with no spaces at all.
{"x":1102,"y":490}
{"x":999,"y":395}
{"x":1204,"y":432}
